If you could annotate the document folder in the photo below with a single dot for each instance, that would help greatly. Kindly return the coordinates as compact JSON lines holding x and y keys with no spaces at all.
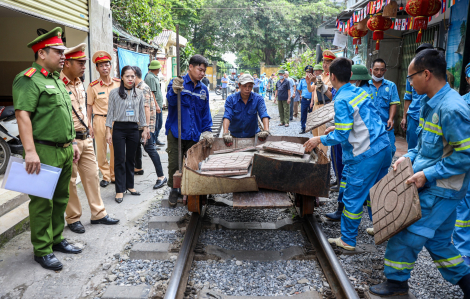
{"x":41,"y":185}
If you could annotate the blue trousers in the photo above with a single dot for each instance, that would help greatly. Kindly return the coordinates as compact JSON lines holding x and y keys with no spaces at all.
{"x":304,"y":110}
{"x":411,"y":137}
{"x":391,"y":136}
{"x":359,"y":178}
{"x":462,"y":226}
{"x":337,"y":160}
{"x":433,"y":231}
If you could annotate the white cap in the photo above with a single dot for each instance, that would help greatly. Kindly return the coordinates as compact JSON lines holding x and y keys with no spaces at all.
{"x":286,"y":72}
{"x":246,"y":78}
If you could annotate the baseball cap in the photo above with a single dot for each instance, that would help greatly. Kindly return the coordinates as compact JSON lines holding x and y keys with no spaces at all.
{"x":245,"y":78}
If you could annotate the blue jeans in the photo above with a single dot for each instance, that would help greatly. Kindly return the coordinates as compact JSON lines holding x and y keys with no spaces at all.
{"x":411,"y":136}
{"x":149,"y":147}
{"x":304,"y":110}
{"x":158,"y":126}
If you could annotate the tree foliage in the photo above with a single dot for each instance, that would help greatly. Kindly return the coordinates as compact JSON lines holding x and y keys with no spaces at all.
{"x":296,"y":66}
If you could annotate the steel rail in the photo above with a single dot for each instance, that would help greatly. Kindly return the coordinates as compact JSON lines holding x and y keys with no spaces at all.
{"x":334,"y":272}
{"x":179,"y":276}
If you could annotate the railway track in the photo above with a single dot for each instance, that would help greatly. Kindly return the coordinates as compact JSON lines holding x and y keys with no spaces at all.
{"x":331,"y":267}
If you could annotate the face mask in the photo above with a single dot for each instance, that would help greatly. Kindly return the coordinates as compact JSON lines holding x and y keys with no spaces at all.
{"x":281,"y":77}
{"x":376,"y":79}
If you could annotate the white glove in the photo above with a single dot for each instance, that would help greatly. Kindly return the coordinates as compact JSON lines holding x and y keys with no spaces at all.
{"x":262,"y":135}
{"x":228,"y":139}
{"x":178,"y":84}
{"x":208,"y":137}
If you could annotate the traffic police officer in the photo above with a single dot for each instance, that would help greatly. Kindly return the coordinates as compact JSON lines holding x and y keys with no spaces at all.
{"x":98,"y":96}
{"x":441,"y":165}
{"x":74,"y":68}
{"x":384,"y":94}
{"x":410,"y":119}
{"x":461,"y":235}
{"x":44,"y":114}
{"x":196,"y":120}
{"x":241,"y":113}
{"x":366,"y":148}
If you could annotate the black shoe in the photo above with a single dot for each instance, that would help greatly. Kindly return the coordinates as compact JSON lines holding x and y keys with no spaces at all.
{"x":77,"y":227}
{"x":65,"y":247}
{"x":113,"y":182}
{"x":133,"y":193}
{"x":464,"y":284}
{"x":173,"y":197}
{"x":49,"y":262}
{"x":291,"y":119}
{"x":390,"y":288}
{"x":160,"y":183}
{"x":158,"y":142}
{"x":302,"y":132}
{"x":104,"y":183}
{"x":105,"y":220}
{"x":334,"y":183}
{"x":336,"y":216}
{"x":140,"y":172}
{"x":119,"y":199}
{"x":334,"y":188}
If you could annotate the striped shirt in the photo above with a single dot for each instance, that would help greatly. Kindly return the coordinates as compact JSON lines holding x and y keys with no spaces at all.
{"x":118,"y":107}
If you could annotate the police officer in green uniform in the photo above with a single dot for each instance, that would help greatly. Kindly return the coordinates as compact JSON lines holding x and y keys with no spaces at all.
{"x":43,"y":110}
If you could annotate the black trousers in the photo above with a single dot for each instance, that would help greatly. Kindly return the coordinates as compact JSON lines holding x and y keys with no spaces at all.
{"x":126,"y":138}
{"x":149,"y":147}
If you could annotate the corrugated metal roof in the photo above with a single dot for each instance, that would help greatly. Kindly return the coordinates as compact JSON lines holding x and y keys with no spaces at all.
{"x":124,"y":36}
{"x":168,"y":38}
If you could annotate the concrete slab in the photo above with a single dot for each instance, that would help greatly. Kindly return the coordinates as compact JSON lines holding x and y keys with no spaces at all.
{"x":291,"y":253}
{"x":127,"y":292}
{"x":14,"y":223}
{"x":368,"y":295}
{"x":165,"y":222}
{"x":285,"y":224}
{"x":150,"y":251}
{"x":9,"y":200}
{"x":401,"y":145}
{"x":211,"y":294}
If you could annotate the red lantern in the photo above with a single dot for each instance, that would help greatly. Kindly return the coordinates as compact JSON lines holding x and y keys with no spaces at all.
{"x":378,"y":24}
{"x":422,"y":10}
{"x":356,"y":34}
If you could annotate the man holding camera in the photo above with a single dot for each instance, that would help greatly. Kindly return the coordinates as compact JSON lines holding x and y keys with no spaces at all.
{"x":87,"y":167}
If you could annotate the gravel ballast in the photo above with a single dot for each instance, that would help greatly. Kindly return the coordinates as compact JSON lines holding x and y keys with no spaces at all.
{"x":136,"y":272}
{"x":248,"y":215}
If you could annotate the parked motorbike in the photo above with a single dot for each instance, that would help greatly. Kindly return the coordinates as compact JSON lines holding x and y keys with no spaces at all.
{"x":218,"y":90}
{"x":230,"y":89}
{"x":10,"y":142}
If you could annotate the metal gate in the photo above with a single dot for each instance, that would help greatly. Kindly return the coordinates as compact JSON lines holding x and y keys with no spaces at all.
{"x":71,"y":13}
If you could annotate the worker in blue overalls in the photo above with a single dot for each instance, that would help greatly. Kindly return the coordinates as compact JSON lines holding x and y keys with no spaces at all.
{"x":384,"y":95}
{"x":360,"y":78}
{"x":366,"y":148}
{"x":461,"y":235}
{"x":441,"y":165}
{"x":410,"y":119}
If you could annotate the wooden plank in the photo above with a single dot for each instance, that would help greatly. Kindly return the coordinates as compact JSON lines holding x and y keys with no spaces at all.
{"x":262,"y":199}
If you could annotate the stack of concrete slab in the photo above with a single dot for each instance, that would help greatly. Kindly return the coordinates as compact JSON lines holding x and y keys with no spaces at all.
{"x":283,"y":147}
{"x":227,"y":165}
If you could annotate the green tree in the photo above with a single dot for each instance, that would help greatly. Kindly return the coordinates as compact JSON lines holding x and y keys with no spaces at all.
{"x":296,"y":66}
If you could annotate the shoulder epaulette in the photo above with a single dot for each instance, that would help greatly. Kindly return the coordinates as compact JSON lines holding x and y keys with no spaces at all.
{"x":94,"y":83}
{"x":30,"y":72}
{"x":117,"y":79}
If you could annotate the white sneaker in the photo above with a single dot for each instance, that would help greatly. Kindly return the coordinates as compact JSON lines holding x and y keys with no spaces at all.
{"x":340,"y":243}
{"x":370,"y":231}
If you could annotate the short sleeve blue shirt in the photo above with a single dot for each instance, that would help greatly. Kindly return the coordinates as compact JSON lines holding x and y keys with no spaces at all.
{"x":243,"y":118}
{"x":302,"y":86}
{"x":224,"y":82}
{"x":384,"y":97}
{"x":415,"y":98}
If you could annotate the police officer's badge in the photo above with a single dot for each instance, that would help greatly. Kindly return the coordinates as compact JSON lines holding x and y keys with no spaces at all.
{"x":435,"y":118}
{"x":203,"y":95}
{"x":387,"y":89}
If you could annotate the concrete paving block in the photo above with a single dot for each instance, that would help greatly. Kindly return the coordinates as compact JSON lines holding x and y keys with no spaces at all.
{"x":127,"y":292}
{"x":10,"y":200}
{"x":150,"y":251}
{"x":14,"y":223}
{"x":165,"y":222}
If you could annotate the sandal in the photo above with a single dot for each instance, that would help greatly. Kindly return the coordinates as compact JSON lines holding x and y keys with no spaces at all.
{"x":280,"y":124}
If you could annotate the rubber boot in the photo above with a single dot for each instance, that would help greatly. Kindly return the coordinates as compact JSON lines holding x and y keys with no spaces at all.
{"x":336,"y":216}
{"x":390,"y":288}
{"x":464,"y":284}
{"x":173,"y":197}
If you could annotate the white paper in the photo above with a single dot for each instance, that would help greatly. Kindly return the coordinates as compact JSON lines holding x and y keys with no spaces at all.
{"x":340,"y":40}
{"x":41,"y":185}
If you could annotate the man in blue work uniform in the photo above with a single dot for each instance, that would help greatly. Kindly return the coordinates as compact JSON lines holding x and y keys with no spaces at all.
{"x":366,"y":148}
{"x":410,"y":119}
{"x":441,"y":165}
{"x":241,"y":113}
{"x":306,"y":102}
{"x":461,"y":235}
{"x":257,"y":83}
{"x":196,"y":120}
{"x":384,"y":95}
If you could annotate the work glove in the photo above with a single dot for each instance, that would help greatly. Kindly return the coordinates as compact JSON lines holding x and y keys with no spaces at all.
{"x":178,"y":84}
{"x":208,"y":137}
{"x":228,"y":139}
{"x":262,"y":135}
{"x":321,"y":87}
